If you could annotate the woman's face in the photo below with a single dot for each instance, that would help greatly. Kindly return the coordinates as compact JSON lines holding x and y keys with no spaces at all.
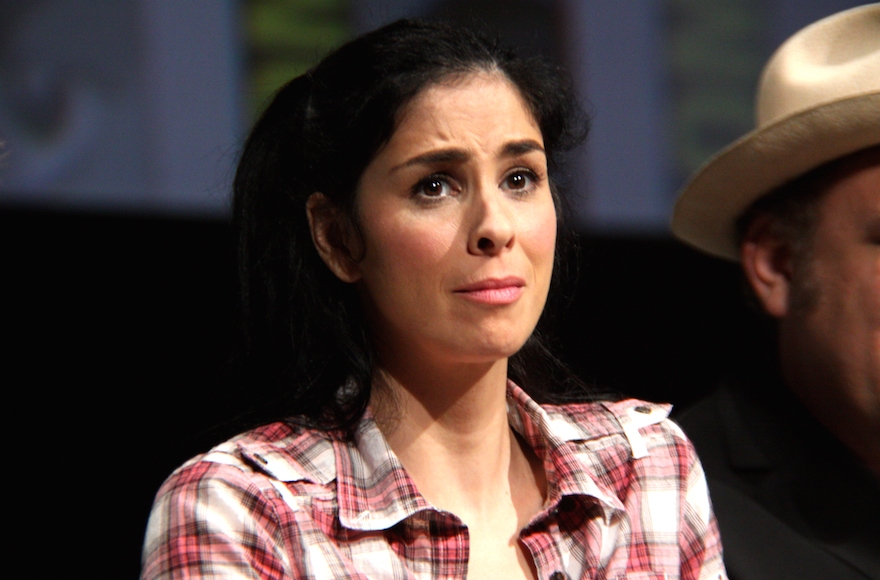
{"x":458,"y":226}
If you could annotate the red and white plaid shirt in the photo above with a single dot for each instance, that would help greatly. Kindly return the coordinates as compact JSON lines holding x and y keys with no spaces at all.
{"x":626,"y":499}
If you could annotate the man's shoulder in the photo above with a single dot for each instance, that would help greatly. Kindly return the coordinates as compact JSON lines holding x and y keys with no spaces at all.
{"x":723,"y":427}
{"x":773,"y":478}
{"x":703,"y":422}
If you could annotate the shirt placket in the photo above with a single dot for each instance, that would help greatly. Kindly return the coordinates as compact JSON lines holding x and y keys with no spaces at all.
{"x":435,"y":545}
{"x":566,"y":542}
{"x":541,"y":539}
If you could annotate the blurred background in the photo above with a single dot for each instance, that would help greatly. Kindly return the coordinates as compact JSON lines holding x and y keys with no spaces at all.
{"x":120,"y":126}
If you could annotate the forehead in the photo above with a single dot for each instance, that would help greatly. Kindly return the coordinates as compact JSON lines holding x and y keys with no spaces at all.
{"x":853,"y":191}
{"x":473,"y":97}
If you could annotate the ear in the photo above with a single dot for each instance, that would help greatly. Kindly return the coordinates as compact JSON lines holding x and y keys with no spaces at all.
{"x":767,"y":262}
{"x":332,"y":236}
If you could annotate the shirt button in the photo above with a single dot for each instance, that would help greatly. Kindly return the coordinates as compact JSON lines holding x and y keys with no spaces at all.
{"x":558,"y":575}
{"x":643,"y":409}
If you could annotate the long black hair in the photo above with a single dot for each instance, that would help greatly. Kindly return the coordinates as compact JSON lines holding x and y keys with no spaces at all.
{"x":305,"y":338}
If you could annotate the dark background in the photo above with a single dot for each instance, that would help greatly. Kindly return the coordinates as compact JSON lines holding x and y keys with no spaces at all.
{"x":120,"y":331}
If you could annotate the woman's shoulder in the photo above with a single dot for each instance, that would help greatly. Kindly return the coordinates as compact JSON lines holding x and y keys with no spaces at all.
{"x":243,"y":500}
{"x":597,"y":418}
{"x":640,"y":427}
{"x":630,"y":447}
{"x":257,"y":459}
{"x":628,"y":428}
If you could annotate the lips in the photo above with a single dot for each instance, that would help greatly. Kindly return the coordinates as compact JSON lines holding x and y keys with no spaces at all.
{"x":493,"y":290}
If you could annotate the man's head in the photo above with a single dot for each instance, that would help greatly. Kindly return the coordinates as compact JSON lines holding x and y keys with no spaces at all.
{"x":797,"y":200}
{"x":815,"y":266}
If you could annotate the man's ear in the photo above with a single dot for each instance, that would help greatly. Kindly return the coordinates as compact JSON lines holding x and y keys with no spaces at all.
{"x":767,"y":262}
{"x":333,"y":238}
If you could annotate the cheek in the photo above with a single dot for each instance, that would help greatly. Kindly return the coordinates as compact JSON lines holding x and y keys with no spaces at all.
{"x":873,"y":299}
{"x":540,"y":238}
{"x":547,"y":236}
{"x":874,"y":276}
{"x":398,"y":247}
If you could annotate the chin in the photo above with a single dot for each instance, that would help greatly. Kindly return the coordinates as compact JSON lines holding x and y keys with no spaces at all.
{"x":492,"y":350}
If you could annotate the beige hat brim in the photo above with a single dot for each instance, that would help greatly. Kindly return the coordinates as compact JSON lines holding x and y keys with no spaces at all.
{"x":724,"y":187}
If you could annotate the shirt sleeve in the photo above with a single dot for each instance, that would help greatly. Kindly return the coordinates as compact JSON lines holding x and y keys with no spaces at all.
{"x":700,"y":541}
{"x":212,"y":520}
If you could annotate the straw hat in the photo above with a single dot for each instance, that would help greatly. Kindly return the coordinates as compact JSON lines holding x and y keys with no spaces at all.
{"x":818,"y":100}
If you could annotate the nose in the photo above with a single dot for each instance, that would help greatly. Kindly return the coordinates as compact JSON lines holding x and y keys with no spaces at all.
{"x":492,"y":228}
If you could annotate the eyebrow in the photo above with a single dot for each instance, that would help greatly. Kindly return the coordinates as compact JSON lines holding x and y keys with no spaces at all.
{"x":454,"y":155}
{"x":515,"y":148}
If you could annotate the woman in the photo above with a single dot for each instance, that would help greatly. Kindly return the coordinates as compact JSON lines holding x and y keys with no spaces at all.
{"x":398,"y":235}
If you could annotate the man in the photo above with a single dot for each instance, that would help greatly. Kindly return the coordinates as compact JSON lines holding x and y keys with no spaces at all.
{"x":793,"y":459}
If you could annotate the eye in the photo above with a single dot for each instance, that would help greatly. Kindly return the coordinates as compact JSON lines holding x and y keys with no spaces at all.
{"x":520,"y":180}
{"x":435,"y":186}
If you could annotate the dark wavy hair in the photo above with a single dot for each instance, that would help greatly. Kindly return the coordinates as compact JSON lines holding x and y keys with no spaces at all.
{"x":307,"y":351}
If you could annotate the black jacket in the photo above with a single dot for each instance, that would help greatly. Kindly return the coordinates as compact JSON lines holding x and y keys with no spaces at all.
{"x":791,"y":501}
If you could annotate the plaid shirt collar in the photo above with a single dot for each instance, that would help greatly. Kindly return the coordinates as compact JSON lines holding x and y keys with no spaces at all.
{"x":377,"y":493}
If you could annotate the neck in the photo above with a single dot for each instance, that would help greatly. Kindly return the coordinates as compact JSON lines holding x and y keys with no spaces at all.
{"x":449,"y":428}
{"x":458,"y":409}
